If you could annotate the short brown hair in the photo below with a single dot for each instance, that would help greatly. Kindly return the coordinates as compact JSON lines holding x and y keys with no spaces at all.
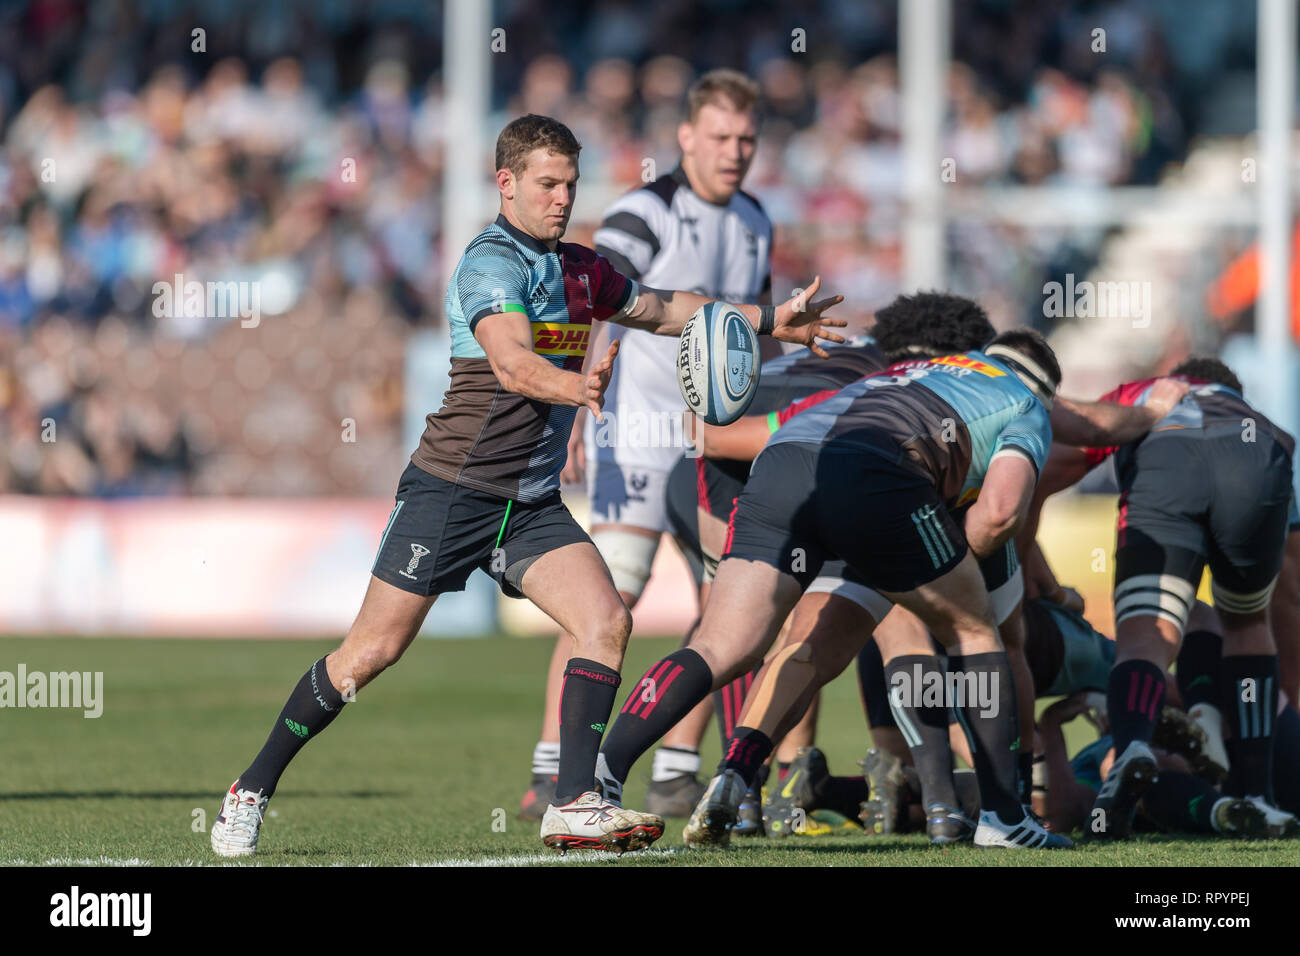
{"x":530,"y":132}
{"x":730,"y":86}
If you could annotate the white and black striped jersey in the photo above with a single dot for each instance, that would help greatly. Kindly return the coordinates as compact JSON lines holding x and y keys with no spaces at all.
{"x":665,"y":236}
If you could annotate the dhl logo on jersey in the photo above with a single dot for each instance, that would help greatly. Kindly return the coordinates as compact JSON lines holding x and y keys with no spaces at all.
{"x":965,"y":361}
{"x":560,"y":338}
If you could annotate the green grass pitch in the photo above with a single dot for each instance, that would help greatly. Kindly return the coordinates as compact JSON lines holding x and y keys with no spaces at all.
{"x":426,"y":767}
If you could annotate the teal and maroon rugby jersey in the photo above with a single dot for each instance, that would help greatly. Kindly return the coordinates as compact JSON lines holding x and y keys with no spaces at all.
{"x":485,"y":437}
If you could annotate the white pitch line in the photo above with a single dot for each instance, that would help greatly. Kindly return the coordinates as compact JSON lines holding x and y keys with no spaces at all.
{"x":533,"y":859}
{"x":80,"y":861}
{"x":528,"y":859}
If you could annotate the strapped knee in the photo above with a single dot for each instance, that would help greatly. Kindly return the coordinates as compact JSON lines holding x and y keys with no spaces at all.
{"x":1165,"y":596}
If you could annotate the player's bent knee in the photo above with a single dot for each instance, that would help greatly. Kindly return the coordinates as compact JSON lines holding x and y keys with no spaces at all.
{"x":723,"y":664}
{"x":620,"y":625}
{"x":362,"y":664}
{"x":608,"y":630}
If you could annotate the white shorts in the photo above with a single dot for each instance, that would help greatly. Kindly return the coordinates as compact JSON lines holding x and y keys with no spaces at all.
{"x":627,"y":494}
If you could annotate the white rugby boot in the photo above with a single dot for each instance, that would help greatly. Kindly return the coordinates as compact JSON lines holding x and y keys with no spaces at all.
{"x":593,"y":823}
{"x":237,"y":825}
{"x":1278,"y":824}
{"x":1027,"y":834}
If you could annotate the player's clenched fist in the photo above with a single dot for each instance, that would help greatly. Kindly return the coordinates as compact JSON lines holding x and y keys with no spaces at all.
{"x":598,"y":375}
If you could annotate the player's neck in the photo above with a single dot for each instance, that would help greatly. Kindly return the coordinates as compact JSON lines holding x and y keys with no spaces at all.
{"x":508,"y":214}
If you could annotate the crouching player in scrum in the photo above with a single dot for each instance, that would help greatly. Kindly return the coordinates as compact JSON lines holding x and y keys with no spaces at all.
{"x":868,"y":477}
{"x":1211,"y":484}
{"x":482,"y":490}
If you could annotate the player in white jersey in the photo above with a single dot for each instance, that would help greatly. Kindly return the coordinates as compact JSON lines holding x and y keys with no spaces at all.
{"x":693,"y":228}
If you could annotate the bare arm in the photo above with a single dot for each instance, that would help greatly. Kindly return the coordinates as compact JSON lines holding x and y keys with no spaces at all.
{"x":1040,"y":580}
{"x":1002,"y":504}
{"x":1068,"y":801}
{"x":798,"y":319}
{"x":1101,"y":424}
{"x":742,"y":440}
{"x":508,"y":341}
{"x":1064,"y":467}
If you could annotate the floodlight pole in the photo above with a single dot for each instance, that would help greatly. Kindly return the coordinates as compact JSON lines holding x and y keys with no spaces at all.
{"x":1275,"y":94}
{"x":467,"y":83}
{"x":924,"y":42}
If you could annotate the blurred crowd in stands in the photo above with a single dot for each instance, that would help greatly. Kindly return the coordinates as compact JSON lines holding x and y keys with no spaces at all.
{"x":302,"y":148}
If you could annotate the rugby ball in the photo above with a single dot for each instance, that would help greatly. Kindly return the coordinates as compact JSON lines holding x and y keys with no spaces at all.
{"x":717,"y":363}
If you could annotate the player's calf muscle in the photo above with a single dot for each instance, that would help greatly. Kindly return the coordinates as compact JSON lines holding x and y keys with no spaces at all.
{"x":1147,"y":638}
{"x":1247,"y":633}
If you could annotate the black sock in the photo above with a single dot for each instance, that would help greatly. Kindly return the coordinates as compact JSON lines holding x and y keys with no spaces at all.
{"x":1286,"y":761}
{"x":1198,"y":668}
{"x":666,"y":694}
{"x":729,"y":704}
{"x":1250,"y":688}
{"x":1179,"y":801}
{"x":842,"y":794}
{"x":872,"y":687}
{"x":1025,"y":768}
{"x":311,"y":707}
{"x":992,"y":729}
{"x":745,"y":753}
{"x":968,"y":792}
{"x":782,"y":767}
{"x":913,"y":781}
{"x":924,"y":724}
{"x":585,"y":706}
{"x":1133,"y":698}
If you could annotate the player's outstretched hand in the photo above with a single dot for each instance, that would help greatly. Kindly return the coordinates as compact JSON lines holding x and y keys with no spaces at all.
{"x":799,"y":319}
{"x":598,"y":380}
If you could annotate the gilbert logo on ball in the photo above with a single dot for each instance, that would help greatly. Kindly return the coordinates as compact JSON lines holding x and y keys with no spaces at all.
{"x":717,"y":363}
